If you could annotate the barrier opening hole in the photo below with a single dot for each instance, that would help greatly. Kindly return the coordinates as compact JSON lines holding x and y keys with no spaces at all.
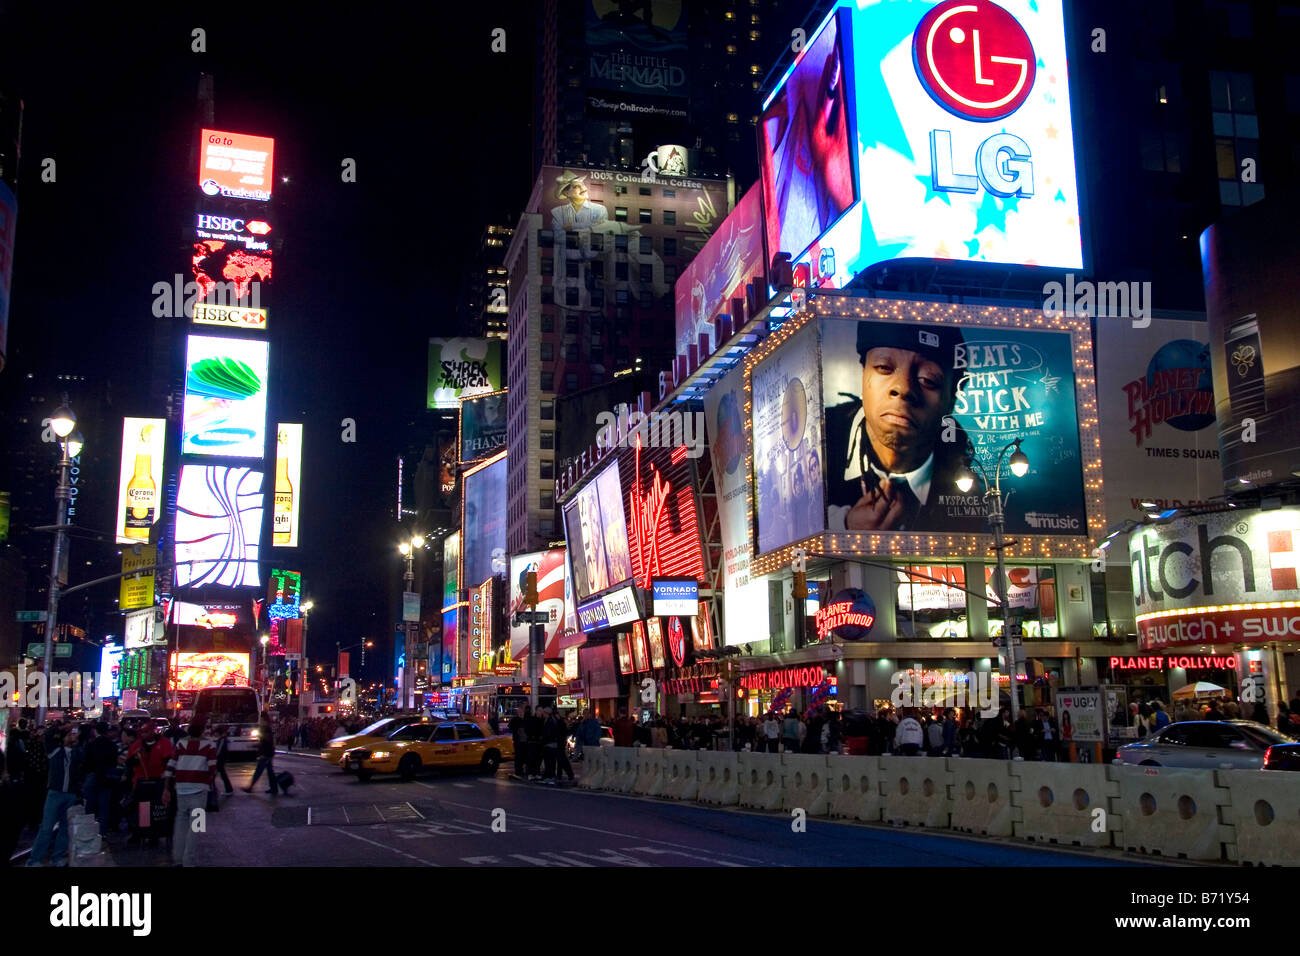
{"x":928,"y":787}
{"x":970,"y":790}
{"x":1148,"y":804}
{"x":1081,"y":799}
{"x":1263,"y":812}
{"x":769,"y":778}
{"x":864,"y":785}
{"x":813,"y":781}
{"x":798,"y":780}
{"x":993,"y":793}
{"x":902,"y":785}
{"x":1045,"y":796}
{"x":1186,"y":807}
{"x":845,"y":783}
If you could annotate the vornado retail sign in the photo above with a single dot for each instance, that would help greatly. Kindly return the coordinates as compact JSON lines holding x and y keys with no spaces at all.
{"x":1229,"y":577}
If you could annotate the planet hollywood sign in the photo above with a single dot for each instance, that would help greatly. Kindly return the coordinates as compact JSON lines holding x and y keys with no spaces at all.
{"x":839,"y":615}
{"x":1169,"y":663}
{"x":784,"y":677}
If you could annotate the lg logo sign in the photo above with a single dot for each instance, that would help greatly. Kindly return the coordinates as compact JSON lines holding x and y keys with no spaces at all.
{"x":976,"y":61}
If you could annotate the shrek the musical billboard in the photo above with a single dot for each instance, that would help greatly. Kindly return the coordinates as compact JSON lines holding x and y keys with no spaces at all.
{"x":905,"y":394}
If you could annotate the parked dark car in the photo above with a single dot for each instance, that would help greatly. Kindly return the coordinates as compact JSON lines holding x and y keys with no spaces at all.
{"x":1282,"y":757}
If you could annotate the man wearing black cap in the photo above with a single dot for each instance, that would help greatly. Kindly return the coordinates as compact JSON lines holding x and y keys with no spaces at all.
{"x":889,"y":465}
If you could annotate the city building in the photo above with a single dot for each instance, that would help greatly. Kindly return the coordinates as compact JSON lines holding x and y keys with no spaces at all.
{"x":610,"y":90}
{"x":592,"y":268}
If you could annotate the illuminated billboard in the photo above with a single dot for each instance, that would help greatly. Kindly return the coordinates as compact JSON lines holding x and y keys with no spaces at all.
{"x":140,"y":478}
{"x":462,"y":368}
{"x":230,"y":316}
{"x":549,"y":566}
{"x":249,"y":234}
{"x":237,"y":276}
{"x":663,"y":526}
{"x":804,"y":145}
{"x":283,"y":595}
{"x":483,"y":524}
{"x":218,"y":526}
{"x":194,"y":670}
{"x":744,"y":607}
{"x":958,"y":117}
{"x":236,"y":165}
{"x":596,"y":532}
{"x":225,"y":397}
{"x":787,"y":434}
{"x":903,"y":392}
{"x":138,"y":629}
{"x":729,"y":260}
{"x":995,"y":385}
{"x":110,"y":670}
{"x":1155,"y":392}
{"x":451,"y":570}
{"x":482,"y":426}
{"x":288,"y":486}
{"x":637,"y":49}
{"x":210,"y":617}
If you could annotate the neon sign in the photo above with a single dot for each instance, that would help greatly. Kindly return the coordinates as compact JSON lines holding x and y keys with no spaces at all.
{"x":647,"y":508}
{"x":677,"y":641}
{"x":1163,"y":663}
{"x":783,"y":677}
{"x":841,"y":615}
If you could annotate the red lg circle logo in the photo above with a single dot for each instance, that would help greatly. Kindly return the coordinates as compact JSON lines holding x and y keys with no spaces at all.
{"x":974,"y":59}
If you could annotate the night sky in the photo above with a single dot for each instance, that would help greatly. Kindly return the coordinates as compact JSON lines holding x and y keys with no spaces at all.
{"x":440,"y":128}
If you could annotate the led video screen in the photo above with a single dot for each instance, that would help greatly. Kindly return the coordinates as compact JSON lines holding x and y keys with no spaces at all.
{"x":225,"y":397}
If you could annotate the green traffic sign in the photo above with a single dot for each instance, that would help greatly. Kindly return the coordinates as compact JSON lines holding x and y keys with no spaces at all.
{"x":38,"y":650}
{"x":32,"y":616}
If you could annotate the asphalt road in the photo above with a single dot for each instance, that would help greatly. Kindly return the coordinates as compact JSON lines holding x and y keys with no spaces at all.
{"x":332,"y":819}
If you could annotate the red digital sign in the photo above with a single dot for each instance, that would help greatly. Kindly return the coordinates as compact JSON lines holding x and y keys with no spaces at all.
{"x":663,"y":523}
{"x":783,"y":677}
{"x":677,"y":641}
{"x":975,"y":59}
{"x":236,"y":165}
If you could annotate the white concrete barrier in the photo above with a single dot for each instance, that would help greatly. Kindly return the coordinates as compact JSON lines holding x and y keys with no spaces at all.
{"x":719,"y":773}
{"x":1173,"y":812}
{"x":915,"y":791}
{"x":1057,"y":803}
{"x":682,"y":774}
{"x":596,"y":765}
{"x":760,"y":780}
{"x":650,"y":765}
{"x":804,"y":783}
{"x":622,"y":778}
{"x":853,"y":788}
{"x":981,"y":795}
{"x":1264,"y":813}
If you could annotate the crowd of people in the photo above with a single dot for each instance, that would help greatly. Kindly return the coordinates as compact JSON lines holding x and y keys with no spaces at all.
{"x":141,"y":781}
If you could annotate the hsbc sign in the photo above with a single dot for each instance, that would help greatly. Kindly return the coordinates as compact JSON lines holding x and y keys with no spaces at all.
{"x":246,"y":232}
{"x":1209,"y":561}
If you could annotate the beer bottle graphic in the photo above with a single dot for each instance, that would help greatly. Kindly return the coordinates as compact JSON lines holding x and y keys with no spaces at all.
{"x":141,"y":493}
{"x":282,"y":520}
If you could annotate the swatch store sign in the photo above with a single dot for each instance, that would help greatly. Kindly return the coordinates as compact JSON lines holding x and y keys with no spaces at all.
{"x":1226,"y":578}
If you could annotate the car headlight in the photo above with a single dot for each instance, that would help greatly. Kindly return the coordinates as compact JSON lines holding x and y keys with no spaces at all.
{"x":380,"y":755}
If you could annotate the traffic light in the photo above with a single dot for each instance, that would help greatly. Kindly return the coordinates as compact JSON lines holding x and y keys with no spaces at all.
{"x":800,"y":585}
{"x":530,"y":589}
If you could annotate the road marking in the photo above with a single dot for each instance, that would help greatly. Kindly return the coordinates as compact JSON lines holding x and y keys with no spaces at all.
{"x":385,"y":846}
{"x":577,"y":826}
{"x":565,"y":860}
{"x":480,"y":860}
{"x":464,"y":786}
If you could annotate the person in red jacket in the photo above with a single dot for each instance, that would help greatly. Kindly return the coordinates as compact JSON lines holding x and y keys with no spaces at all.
{"x":189,"y":774}
{"x":146,"y":761}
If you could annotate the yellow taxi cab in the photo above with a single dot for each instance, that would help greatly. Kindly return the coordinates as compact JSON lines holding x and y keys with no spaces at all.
{"x":372,"y":734}
{"x":442,"y":743}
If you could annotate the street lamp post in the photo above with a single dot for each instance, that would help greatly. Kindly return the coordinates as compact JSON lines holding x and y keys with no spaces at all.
{"x":407,"y":550}
{"x":305,"y":609}
{"x":266,"y":672}
{"x":995,"y":502}
{"x":62,"y":423}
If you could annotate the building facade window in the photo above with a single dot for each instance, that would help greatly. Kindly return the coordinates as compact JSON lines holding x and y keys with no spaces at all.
{"x":1031,"y":591}
{"x":548,"y":352}
{"x":932,"y":608}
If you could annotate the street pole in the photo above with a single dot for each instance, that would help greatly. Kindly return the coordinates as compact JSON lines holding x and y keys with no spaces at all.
{"x":997,"y":520}
{"x":406,"y":634}
{"x":61,"y":496}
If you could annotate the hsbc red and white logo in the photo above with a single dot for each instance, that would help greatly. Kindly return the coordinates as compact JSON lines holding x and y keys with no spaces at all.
{"x":974,"y":59}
